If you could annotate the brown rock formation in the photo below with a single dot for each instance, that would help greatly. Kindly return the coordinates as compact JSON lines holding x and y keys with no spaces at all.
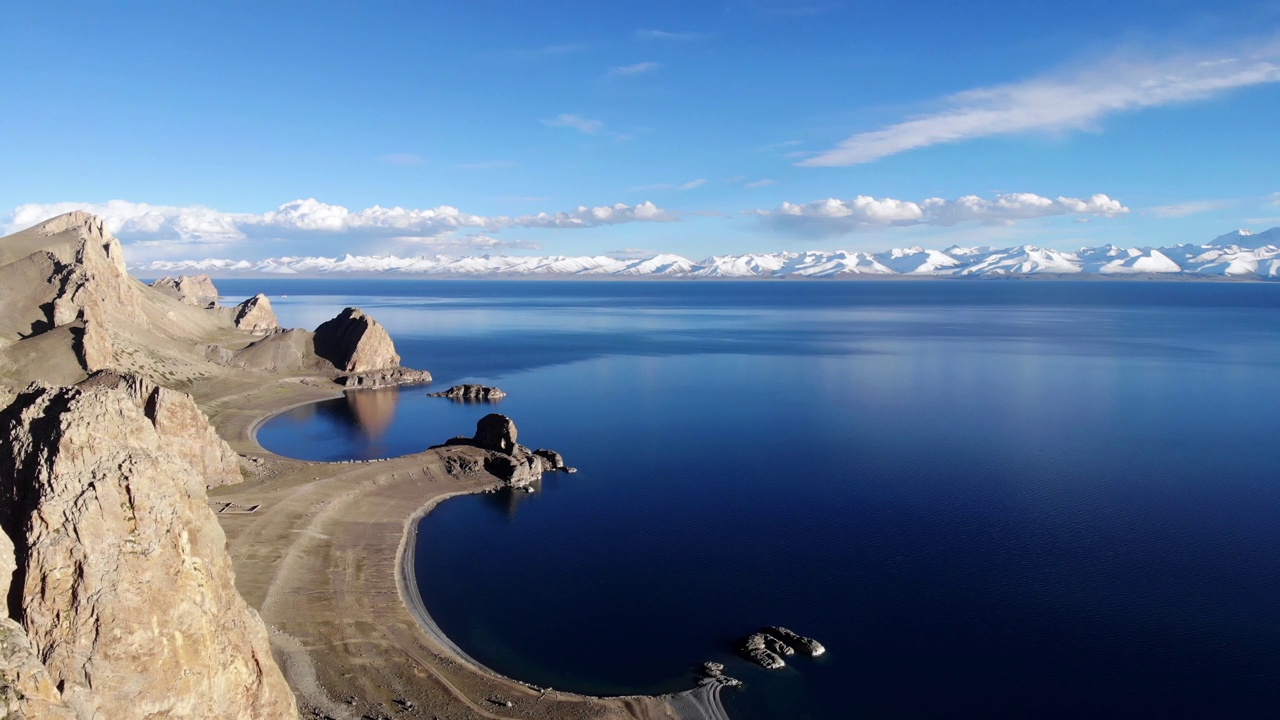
{"x":26,"y":690}
{"x":124,"y":586}
{"x":496,"y":432}
{"x":255,"y":314}
{"x":471,"y":393}
{"x":515,"y":464}
{"x":355,"y":342}
{"x":195,"y":290}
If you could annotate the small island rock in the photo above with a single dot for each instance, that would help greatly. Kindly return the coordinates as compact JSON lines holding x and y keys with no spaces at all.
{"x":797,"y":641}
{"x":754,"y":649}
{"x":471,"y":393}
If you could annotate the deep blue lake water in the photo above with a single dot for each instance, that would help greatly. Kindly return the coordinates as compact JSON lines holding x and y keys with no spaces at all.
{"x":987,"y":499}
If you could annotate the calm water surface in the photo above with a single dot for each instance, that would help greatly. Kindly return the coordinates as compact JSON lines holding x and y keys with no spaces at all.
{"x":987,"y":499}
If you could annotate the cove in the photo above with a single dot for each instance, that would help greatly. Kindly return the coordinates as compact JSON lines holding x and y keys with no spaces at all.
{"x":985,"y":499}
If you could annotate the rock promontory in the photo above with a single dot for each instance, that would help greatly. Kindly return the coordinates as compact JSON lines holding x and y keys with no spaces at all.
{"x":123,"y":586}
{"x":514,"y":464}
{"x":767,"y":647}
{"x":471,"y":393}
{"x":256,"y":315}
{"x":354,"y":342}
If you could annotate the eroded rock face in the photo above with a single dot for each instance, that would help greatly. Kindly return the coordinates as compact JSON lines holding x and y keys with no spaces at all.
{"x":126,"y":589}
{"x":514,"y":464}
{"x":471,"y":393}
{"x":806,"y":645}
{"x":551,"y":460}
{"x":754,"y":648}
{"x":355,"y":342}
{"x":91,"y":279}
{"x":195,"y":290}
{"x":255,"y":314}
{"x":26,"y":690}
{"x":496,"y":432}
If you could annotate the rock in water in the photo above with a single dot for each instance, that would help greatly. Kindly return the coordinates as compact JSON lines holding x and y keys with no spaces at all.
{"x":195,"y":290}
{"x":355,"y":342}
{"x":797,"y":641}
{"x":124,"y":586}
{"x":753,"y":648}
{"x":473,"y":393}
{"x":256,"y":314}
{"x":551,"y":460}
{"x":496,"y":432}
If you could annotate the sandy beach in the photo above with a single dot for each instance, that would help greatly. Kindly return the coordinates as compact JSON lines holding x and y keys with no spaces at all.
{"x":326,"y":556}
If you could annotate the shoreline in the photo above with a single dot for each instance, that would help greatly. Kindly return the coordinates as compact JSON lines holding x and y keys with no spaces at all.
{"x":327,"y":562}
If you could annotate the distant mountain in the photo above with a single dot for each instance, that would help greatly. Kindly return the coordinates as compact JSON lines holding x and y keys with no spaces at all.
{"x":1239,"y":254}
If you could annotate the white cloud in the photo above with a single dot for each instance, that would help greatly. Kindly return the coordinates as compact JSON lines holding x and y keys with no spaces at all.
{"x":312,"y":219}
{"x":465,"y":244}
{"x":1192,"y":207}
{"x":836,"y":217}
{"x":576,"y":122}
{"x":762,"y":182}
{"x":1275,"y":199}
{"x":1059,"y":103}
{"x":639,"y":68}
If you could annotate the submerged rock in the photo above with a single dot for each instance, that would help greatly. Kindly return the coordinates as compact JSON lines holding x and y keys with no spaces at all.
{"x":470,"y":393}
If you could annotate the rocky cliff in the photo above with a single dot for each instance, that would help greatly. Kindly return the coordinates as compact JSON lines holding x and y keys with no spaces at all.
{"x":355,"y":342}
{"x":255,"y":314}
{"x":123,"y":586}
{"x":26,"y":690}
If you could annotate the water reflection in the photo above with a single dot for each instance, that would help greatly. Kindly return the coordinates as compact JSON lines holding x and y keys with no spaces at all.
{"x":370,"y":412}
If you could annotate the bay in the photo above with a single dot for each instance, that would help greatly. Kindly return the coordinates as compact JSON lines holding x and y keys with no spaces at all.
{"x":987,"y":499}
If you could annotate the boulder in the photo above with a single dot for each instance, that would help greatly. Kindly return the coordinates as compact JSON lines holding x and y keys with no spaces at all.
{"x":470,"y":393}
{"x":123,"y":587}
{"x":195,"y":290}
{"x":496,"y":432}
{"x":356,"y":343}
{"x":256,"y":315}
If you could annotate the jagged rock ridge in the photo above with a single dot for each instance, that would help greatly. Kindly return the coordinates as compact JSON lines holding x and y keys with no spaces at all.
{"x":125,"y":589}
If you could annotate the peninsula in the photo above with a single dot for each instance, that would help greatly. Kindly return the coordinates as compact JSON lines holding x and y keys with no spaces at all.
{"x":159,"y":562}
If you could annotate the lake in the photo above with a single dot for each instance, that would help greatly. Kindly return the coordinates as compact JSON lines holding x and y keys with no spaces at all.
{"x":986,"y":498}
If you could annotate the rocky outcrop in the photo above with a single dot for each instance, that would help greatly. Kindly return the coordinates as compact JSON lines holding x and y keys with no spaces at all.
{"x":356,"y":343}
{"x":514,"y":464}
{"x":26,"y":690}
{"x":496,"y":432}
{"x":551,"y":460}
{"x":471,"y":393}
{"x":384,"y":378}
{"x":195,"y":290}
{"x":90,"y":274}
{"x":767,"y":647}
{"x":256,"y":315}
{"x":754,"y":648}
{"x":123,"y":586}
{"x":806,"y":645}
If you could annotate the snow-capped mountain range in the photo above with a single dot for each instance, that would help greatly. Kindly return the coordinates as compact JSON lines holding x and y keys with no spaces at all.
{"x":1239,"y":254}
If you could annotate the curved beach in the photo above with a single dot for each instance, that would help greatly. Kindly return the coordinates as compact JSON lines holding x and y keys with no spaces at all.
{"x":327,"y":558}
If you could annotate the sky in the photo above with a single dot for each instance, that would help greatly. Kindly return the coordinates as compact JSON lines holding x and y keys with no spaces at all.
{"x":253,"y":130}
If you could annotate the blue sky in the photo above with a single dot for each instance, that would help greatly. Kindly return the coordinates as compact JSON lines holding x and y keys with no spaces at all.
{"x":250,"y":130}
